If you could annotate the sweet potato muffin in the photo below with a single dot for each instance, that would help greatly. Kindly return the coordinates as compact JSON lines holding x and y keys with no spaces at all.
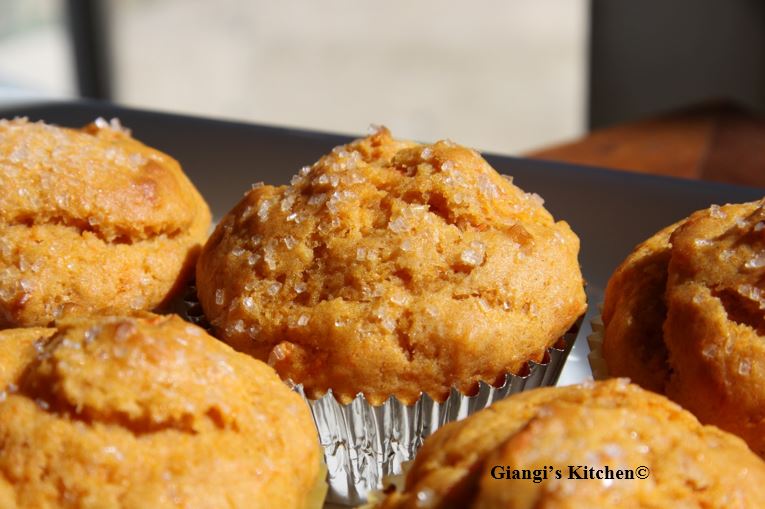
{"x":699,"y":312}
{"x":91,"y":222}
{"x":147,"y":412}
{"x":634,"y":313}
{"x":392,"y":268}
{"x":17,"y":345}
{"x":715,"y":327}
{"x":559,"y":434}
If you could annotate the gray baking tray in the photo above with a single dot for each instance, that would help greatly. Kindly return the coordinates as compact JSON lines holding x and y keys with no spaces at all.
{"x":610,"y":211}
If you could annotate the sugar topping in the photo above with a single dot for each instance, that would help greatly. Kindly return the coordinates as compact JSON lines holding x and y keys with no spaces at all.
{"x":287,"y":202}
{"x":488,"y":188}
{"x":269,"y":254}
{"x":536,"y":199}
{"x":400,"y":299}
{"x":388,"y":323}
{"x":274,"y":288}
{"x":399,"y":225}
{"x":317,"y":200}
{"x":709,"y":350}
{"x":753,"y":293}
{"x":264,"y":209}
{"x":702,"y":242}
{"x":725,"y":255}
{"x":756,"y":262}
{"x":289,"y":241}
{"x":277,"y":354}
{"x":431,"y":200}
{"x":716,"y":212}
{"x":114,"y":124}
{"x":474,"y":255}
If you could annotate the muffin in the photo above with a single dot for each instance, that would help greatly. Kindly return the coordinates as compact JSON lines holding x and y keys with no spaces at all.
{"x":147,"y":412}
{"x":684,"y":316}
{"x":392,"y":268}
{"x":569,"y":438}
{"x":634,"y":311}
{"x":91,"y":222}
{"x":392,"y":274}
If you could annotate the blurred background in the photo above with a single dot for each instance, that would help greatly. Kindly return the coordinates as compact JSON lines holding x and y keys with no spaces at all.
{"x":507,"y":76}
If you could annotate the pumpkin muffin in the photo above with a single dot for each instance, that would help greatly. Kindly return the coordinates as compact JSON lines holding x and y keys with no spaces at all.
{"x":702,"y":317}
{"x":634,"y":313}
{"x":91,"y":222}
{"x":600,"y":425}
{"x":147,"y":412}
{"x":392,"y":268}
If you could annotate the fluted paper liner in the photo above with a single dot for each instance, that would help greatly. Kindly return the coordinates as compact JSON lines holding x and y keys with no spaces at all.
{"x":364,"y":443}
{"x":595,"y":357}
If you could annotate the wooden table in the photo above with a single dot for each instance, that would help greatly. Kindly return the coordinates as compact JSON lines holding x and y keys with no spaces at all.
{"x":716,"y":141}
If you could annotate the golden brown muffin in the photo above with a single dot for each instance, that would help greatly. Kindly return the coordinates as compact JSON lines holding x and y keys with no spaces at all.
{"x":147,"y":412}
{"x":634,"y":313}
{"x":610,"y":423}
{"x":683,"y":315}
{"x":15,"y":346}
{"x":390,"y":267}
{"x":91,"y":222}
{"x":715,"y":327}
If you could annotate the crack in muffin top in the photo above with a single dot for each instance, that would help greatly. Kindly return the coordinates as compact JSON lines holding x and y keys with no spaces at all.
{"x":125,"y":411}
{"x":684,"y":315}
{"x":92,"y":222}
{"x":391,"y":257}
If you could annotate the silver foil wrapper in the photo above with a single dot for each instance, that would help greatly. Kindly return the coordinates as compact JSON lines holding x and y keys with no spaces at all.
{"x":364,"y":443}
{"x":595,"y":340}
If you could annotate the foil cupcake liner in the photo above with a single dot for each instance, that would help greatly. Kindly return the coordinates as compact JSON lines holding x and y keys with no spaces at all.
{"x":364,"y":443}
{"x":597,"y":362}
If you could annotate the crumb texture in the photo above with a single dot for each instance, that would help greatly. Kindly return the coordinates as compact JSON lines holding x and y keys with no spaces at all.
{"x":91,"y":222}
{"x":390,"y":267}
{"x":685,"y":315}
{"x":146,"y":412}
{"x":611,"y":423}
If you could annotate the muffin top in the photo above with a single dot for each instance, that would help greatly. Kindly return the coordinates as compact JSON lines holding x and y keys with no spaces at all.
{"x":146,"y":412}
{"x":91,"y":222}
{"x":715,"y":326}
{"x":612,"y":423}
{"x":392,"y":268}
{"x":684,"y":316}
{"x":97,"y":179}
